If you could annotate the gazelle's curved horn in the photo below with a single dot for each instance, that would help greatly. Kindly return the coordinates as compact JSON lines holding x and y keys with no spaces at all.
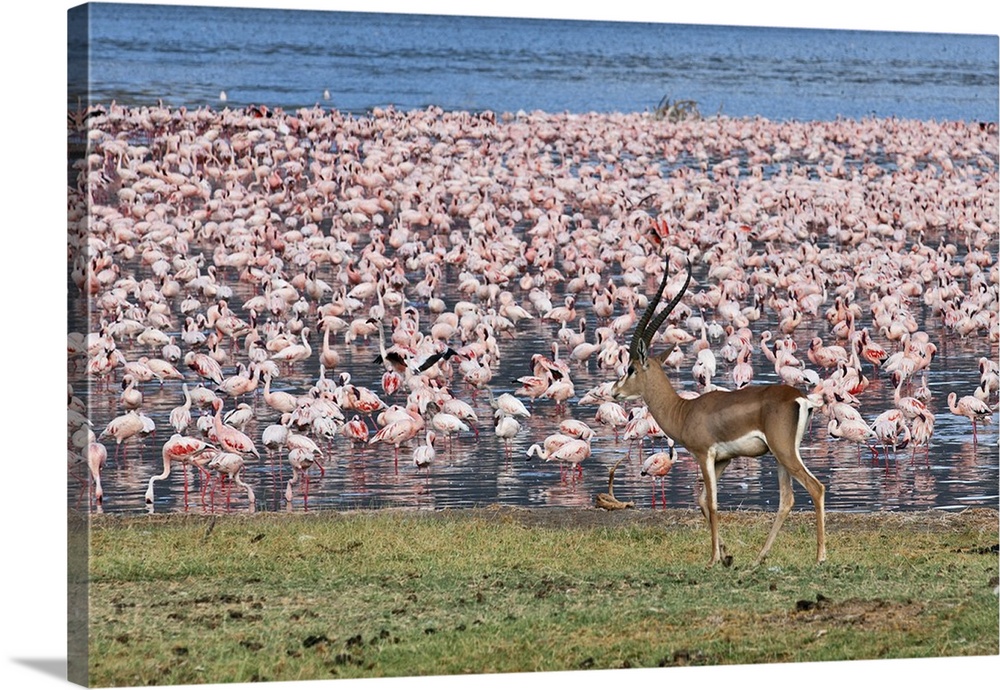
{"x":640,"y":328}
{"x":654,"y":326}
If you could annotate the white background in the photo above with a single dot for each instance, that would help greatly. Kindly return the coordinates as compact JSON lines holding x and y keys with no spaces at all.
{"x":32,"y":355}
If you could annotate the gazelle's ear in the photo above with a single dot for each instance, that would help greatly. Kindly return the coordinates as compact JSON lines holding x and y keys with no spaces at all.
{"x":662,"y":357}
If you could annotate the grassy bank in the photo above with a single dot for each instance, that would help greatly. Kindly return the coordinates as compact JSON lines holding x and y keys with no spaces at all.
{"x":281,"y":597}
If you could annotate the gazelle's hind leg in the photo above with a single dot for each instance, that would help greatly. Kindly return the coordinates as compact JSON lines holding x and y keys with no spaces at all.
{"x":712,"y":511}
{"x":790,"y":464}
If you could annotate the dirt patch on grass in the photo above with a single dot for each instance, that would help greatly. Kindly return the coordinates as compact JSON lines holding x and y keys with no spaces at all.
{"x":979,"y":519}
{"x":871,"y":614}
{"x":976,"y":519}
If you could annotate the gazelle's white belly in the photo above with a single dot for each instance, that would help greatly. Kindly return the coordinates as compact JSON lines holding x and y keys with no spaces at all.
{"x":751,"y":444}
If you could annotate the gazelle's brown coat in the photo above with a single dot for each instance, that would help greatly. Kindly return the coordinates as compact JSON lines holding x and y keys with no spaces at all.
{"x":720,"y":425}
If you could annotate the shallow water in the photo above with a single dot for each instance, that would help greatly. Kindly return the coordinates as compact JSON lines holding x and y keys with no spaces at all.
{"x":954,"y":473}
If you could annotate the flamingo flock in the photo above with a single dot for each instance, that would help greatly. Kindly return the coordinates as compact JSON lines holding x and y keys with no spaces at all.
{"x":337,"y":290}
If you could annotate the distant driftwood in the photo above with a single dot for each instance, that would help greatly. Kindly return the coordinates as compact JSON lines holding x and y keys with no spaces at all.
{"x":676,"y":111}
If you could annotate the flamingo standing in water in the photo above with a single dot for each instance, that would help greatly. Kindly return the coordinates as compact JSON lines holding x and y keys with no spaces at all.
{"x":891,"y":430}
{"x":231,"y":465}
{"x":396,"y":433}
{"x":182,"y":449}
{"x":230,"y":439}
{"x":921,"y":430}
{"x":448,"y":424}
{"x":853,"y":430}
{"x":123,"y":428}
{"x":424,"y":455}
{"x":969,"y":406}
{"x":656,"y":466}
{"x":356,"y":429}
{"x":295,"y":352}
{"x":274,"y":437}
{"x":507,"y":427}
{"x":204,"y":366}
{"x":610,"y":413}
{"x":278,"y":400}
{"x":564,"y":450}
{"x":576,"y":429}
{"x":131,"y":397}
{"x":301,"y":459}
{"x":180,"y":416}
{"x":510,"y":405}
{"x":636,"y":429}
{"x":97,"y":455}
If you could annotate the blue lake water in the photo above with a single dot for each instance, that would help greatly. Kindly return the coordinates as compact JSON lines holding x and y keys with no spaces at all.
{"x":289,"y":58}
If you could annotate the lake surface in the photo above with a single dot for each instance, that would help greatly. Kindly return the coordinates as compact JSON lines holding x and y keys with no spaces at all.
{"x":473,"y":472}
{"x":283,"y":58}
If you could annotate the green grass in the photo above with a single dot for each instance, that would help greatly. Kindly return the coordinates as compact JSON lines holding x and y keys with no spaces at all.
{"x":281,"y":597}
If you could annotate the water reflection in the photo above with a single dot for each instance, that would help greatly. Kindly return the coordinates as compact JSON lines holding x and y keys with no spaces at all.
{"x":468,"y":472}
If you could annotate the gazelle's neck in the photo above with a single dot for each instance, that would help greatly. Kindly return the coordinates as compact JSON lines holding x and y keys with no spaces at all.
{"x":666,"y":406}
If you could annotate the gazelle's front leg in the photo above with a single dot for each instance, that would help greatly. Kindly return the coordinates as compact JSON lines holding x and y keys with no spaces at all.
{"x":709,"y":503}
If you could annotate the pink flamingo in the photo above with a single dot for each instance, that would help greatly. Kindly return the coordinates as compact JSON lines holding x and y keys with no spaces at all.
{"x":551,"y":443}
{"x":826,"y":356}
{"x":301,"y":459}
{"x":230,"y":439}
{"x":296,"y":352}
{"x":889,"y":427}
{"x":204,"y":366}
{"x":563,"y":449}
{"x":511,"y":406}
{"x":908,"y":405}
{"x":853,"y":430}
{"x":576,"y":429}
{"x":971,"y":407}
{"x":180,"y":416}
{"x":397,"y":433}
{"x":274,"y":437}
{"x":328,"y":357}
{"x":464,"y":411}
{"x":230,"y":465}
{"x":424,"y":455}
{"x":448,"y":424}
{"x":123,"y":428}
{"x":278,"y":400}
{"x":241,"y":383}
{"x":131,"y":397}
{"x":560,"y":391}
{"x":656,"y":466}
{"x":356,"y":429}
{"x":573,"y":453}
{"x":182,"y":449}
{"x":97,"y":455}
{"x":636,"y":429}
{"x":742,"y":372}
{"x":532,"y":386}
{"x":610,"y":413}
{"x":507,"y":427}
{"x":870,"y":350}
{"x":921,"y":430}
